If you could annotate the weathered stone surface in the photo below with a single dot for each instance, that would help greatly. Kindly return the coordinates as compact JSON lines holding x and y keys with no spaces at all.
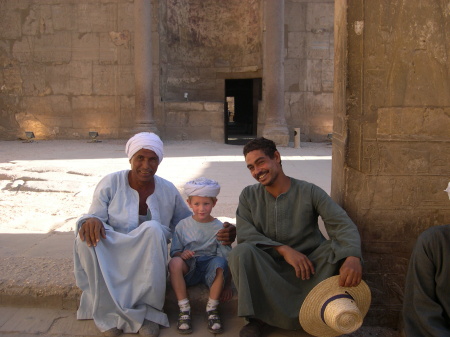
{"x":127,"y":111}
{"x":314,"y":75}
{"x":125,"y":19}
{"x":29,"y":121}
{"x":217,"y":134}
{"x":177,"y":118}
{"x":107,"y":49}
{"x":63,"y":16}
{"x":71,"y":79}
{"x":104,"y":79}
{"x":296,"y":46}
{"x":327,"y":75}
{"x":94,"y":112}
{"x":318,"y":45}
{"x":414,"y":123}
{"x":77,"y":48}
{"x":33,"y":80}
{"x":200,"y":119}
{"x":319,"y":108}
{"x":213,"y":106}
{"x":48,"y":106}
{"x":38,"y":21}
{"x":85,"y":47}
{"x":406,"y":158}
{"x":391,"y":145}
{"x":185,"y":106}
{"x":294,"y":106}
{"x":208,"y":34}
{"x":12,"y":80}
{"x":96,"y":17}
{"x":295,"y":16}
{"x":294,"y":69}
{"x":319,"y":17}
{"x":10,"y":27}
{"x":54,"y":48}
{"x":22,"y":50}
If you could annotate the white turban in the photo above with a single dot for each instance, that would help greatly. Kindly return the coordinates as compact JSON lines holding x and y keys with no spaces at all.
{"x":202,"y":187}
{"x":145,"y":140}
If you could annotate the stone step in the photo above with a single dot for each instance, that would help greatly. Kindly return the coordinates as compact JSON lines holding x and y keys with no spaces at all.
{"x":50,"y":283}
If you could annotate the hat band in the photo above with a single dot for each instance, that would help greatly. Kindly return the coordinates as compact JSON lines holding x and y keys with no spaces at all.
{"x":331,"y":299}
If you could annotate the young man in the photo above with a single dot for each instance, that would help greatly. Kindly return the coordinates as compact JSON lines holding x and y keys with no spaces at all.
{"x":281,"y":253}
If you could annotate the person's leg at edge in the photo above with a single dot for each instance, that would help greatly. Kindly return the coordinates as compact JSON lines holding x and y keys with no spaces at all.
{"x":178,"y":268}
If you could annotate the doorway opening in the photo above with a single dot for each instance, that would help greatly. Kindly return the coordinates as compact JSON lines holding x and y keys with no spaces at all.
{"x":241,"y":110}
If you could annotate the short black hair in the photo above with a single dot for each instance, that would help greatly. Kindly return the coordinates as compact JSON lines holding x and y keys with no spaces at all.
{"x":265,"y":145}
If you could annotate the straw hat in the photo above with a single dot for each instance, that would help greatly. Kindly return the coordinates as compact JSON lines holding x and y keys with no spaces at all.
{"x":330,"y":310}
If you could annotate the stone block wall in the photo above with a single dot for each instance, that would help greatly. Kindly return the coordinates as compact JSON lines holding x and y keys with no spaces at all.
{"x":391,"y":142}
{"x":204,"y":42}
{"x":309,"y":67}
{"x":66,"y":68}
{"x":194,"y":121}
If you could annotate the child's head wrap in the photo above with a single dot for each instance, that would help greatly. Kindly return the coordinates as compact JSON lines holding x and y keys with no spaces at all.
{"x":202,"y":187}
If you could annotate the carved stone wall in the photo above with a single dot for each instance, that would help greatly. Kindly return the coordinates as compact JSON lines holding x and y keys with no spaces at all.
{"x":391,"y":145}
{"x":67,"y":67}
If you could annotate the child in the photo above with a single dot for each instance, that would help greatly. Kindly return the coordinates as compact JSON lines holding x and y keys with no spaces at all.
{"x":197,"y":256}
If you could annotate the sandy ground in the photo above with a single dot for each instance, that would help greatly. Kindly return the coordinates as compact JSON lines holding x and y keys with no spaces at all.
{"x":46,"y":185}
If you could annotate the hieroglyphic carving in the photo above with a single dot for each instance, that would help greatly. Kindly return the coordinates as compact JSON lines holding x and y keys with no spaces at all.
{"x":420,"y":55}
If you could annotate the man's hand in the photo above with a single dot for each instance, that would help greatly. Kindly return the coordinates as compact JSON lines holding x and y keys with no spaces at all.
{"x":350,"y":273}
{"x":302,"y":265}
{"x":227,"y":234}
{"x":91,"y":231}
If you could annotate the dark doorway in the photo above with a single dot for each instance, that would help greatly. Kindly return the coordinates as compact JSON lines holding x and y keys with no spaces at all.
{"x":241,"y":110}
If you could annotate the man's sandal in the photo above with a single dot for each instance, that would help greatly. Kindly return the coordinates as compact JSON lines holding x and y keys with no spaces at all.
{"x":184,"y":326}
{"x":254,"y":328}
{"x":214,"y":322}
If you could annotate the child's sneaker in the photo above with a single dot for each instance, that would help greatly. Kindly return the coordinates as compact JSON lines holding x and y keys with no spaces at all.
{"x":214,"y":322}
{"x":184,"y":326}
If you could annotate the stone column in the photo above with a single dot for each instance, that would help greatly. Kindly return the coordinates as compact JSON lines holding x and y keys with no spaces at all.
{"x":275,"y":127}
{"x":391,"y":143}
{"x":143,"y":75}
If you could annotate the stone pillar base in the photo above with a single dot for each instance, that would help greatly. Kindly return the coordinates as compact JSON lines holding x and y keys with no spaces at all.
{"x":278,"y":133}
{"x":146,"y":127}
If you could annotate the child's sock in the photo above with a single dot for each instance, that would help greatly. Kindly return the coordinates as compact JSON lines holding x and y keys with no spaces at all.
{"x":212,"y":304}
{"x":184,"y":305}
{"x":213,"y":320}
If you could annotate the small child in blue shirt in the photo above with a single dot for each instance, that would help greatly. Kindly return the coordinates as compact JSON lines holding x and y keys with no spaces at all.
{"x":198,"y":257}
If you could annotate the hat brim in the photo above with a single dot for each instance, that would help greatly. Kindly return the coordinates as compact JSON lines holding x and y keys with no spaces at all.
{"x":310,"y":312}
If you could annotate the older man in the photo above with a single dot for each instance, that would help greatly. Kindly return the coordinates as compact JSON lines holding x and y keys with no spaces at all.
{"x":120,"y":250}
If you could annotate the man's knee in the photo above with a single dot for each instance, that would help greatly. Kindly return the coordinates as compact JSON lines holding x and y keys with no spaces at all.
{"x":156,"y":230}
{"x":81,"y":247}
{"x":242,"y":253}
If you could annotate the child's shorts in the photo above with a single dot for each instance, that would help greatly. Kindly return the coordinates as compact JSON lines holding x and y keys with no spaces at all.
{"x":205,"y":270}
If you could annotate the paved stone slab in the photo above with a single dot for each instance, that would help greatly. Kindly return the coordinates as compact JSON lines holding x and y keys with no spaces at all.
{"x":48,"y":322}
